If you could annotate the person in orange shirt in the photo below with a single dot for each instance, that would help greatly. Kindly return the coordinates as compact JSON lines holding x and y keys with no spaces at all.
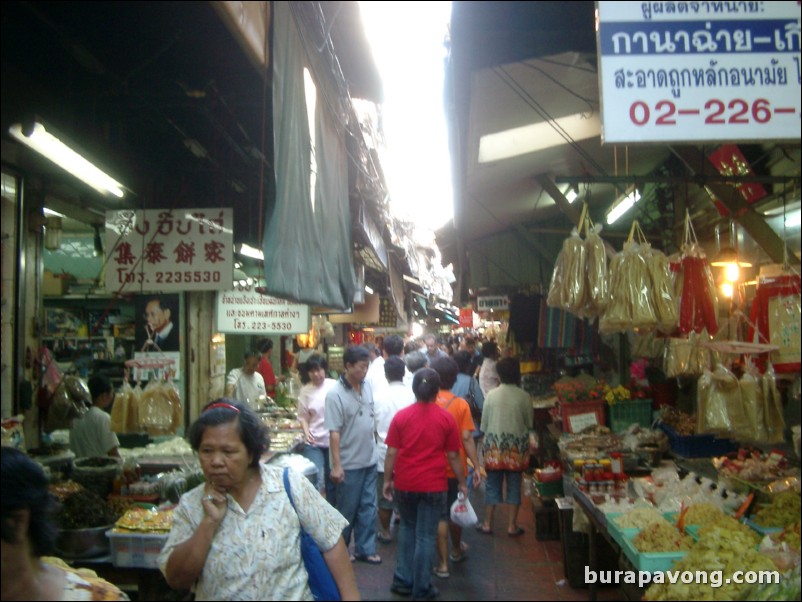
{"x":447,"y":369}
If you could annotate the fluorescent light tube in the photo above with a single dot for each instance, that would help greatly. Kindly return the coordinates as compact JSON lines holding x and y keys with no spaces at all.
{"x":622,"y":205}
{"x":249,"y":251}
{"x":59,"y":153}
{"x":537,"y":136}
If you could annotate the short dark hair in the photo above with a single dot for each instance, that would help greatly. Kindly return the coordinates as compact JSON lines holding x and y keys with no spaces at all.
{"x":416,"y":360}
{"x":354,"y":354}
{"x":447,"y":368}
{"x":250,"y":353}
{"x":393,"y":345}
{"x":252,"y":431}
{"x":24,"y":486}
{"x":372,"y":348}
{"x":265,"y":345}
{"x":489,"y":349}
{"x":411,"y":346}
{"x":98,"y":385}
{"x":426,"y":385}
{"x":394,"y":369}
{"x":464,"y":361}
{"x":313,"y":362}
{"x":509,"y":371}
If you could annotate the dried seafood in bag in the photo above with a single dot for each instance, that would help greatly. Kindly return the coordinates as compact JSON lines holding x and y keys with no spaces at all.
{"x":596,"y":272}
{"x":616,"y":315}
{"x":662,"y":289}
{"x":752,"y":394}
{"x":567,"y":290}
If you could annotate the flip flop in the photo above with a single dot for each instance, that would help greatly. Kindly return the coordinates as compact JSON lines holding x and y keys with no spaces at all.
{"x":384,"y":538}
{"x":441,"y":574}
{"x":462,"y":556}
{"x":484,"y":531}
{"x":518,"y":531}
{"x":375,"y":559}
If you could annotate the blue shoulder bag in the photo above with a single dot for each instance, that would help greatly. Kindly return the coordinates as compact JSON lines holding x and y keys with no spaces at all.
{"x":321,"y":581}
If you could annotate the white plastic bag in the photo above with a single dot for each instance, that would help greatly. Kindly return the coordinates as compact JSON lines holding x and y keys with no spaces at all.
{"x":462,"y":512}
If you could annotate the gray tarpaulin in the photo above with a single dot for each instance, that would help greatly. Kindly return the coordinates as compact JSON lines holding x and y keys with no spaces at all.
{"x":308,"y":256}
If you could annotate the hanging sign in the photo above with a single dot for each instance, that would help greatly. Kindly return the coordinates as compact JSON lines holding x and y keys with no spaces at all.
{"x":699,"y":71}
{"x":169,"y":250}
{"x":495,"y":303}
{"x":244,"y":311}
{"x":467,"y":317}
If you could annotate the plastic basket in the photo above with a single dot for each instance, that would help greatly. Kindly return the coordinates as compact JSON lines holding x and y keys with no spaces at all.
{"x":577,"y":415}
{"x":651,"y":562}
{"x":550,"y":489}
{"x":139,"y":550}
{"x":697,"y":446}
{"x":623,"y":414}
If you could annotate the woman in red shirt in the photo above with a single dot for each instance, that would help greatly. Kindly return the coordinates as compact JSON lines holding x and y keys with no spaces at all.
{"x":420,"y":439}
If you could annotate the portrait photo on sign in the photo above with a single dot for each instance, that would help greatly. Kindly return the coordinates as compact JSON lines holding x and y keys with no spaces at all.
{"x":157,"y":326}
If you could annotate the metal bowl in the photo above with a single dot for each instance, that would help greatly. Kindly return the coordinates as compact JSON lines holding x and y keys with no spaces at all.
{"x":84,"y":543}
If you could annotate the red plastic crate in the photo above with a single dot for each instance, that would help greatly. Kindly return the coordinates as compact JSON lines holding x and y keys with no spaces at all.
{"x":577,"y":414}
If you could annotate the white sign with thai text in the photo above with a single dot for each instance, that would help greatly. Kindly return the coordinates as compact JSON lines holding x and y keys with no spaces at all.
{"x":699,"y":71}
{"x":247,"y":312}
{"x":162,"y":250}
{"x":496,"y":303}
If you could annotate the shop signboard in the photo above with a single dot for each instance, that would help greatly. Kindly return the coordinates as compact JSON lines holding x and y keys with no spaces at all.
{"x":163,"y":250}
{"x":493,"y":303}
{"x":244,"y":311}
{"x":699,"y":71}
{"x":467,"y":317}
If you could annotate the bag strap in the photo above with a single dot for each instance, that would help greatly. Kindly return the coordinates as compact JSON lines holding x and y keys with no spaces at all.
{"x":453,"y":397}
{"x":288,"y":489}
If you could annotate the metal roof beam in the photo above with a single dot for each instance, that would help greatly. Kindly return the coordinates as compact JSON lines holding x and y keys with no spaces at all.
{"x":774,"y":246}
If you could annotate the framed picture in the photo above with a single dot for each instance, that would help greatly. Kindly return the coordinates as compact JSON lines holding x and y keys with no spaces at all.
{"x":63,"y":322}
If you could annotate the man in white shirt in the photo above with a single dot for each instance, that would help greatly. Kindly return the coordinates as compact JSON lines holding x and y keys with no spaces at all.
{"x":91,"y":434}
{"x":375,"y":375}
{"x":246,"y":384}
{"x":395,"y":396}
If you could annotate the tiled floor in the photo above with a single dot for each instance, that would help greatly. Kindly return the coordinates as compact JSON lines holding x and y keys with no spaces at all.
{"x":498,"y":567}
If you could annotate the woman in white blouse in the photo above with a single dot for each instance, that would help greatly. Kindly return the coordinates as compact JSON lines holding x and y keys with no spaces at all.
{"x":311,"y":412}
{"x":237,"y":536}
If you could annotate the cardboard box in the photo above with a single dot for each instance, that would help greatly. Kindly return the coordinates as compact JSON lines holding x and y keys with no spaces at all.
{"x":53,"y":285}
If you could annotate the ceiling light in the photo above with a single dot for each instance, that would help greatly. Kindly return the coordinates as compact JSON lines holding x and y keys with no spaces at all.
{"x":622,"y":205}
{"x":728,"y":259}
{"x":42,"y":141}
{"x":794,"y":219}
{"x":249,"y":251}
{"x":368,"y":290}
{"x":51,"y":213}
{"x":538,"y":136}
{"x":571,"y":194}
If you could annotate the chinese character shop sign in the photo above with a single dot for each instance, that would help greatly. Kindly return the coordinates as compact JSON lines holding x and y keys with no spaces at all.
{"x":169,"y":250}
{"x":699,"y":71}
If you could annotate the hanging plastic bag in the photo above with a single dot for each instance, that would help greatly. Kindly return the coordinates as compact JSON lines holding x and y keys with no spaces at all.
{"x":664,"y":300}
{"x":772,"y":407}
{"x":119,"y":409}
{"x":696,"y":288}
{"x":713,"y":392}
{"x":753,"y":402}
{"x":462,"y":513}
{"x":595,"y":271}
{"x":567,"y":289}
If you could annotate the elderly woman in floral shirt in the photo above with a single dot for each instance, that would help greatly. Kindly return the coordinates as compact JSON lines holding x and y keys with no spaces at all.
{"x":507,"y":419}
